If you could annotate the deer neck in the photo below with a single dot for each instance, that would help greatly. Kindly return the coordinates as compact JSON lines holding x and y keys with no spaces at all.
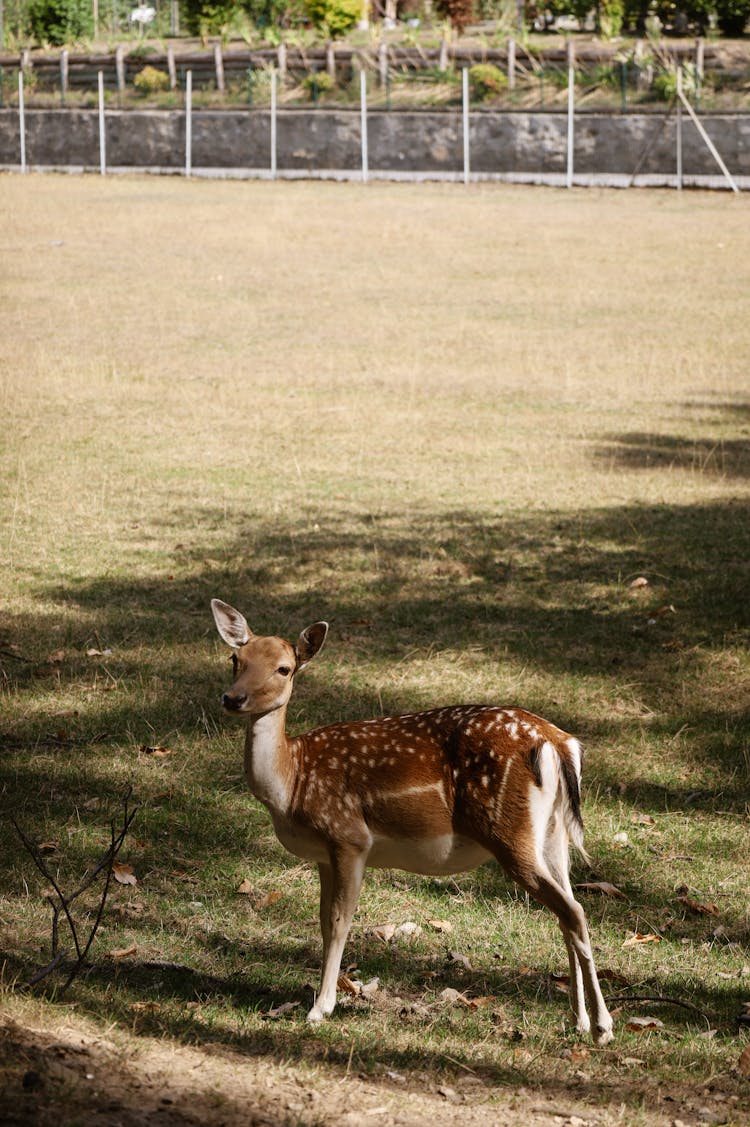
{"x":269,"y":769}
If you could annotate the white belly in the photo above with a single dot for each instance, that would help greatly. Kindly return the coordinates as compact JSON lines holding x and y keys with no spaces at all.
{"x":434,"y":856}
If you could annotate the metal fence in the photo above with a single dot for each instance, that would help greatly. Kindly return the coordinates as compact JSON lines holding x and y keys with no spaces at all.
{"x":680,"y":106}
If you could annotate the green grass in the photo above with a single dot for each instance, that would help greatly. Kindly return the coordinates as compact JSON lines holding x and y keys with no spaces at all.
{"x":457,"y":424}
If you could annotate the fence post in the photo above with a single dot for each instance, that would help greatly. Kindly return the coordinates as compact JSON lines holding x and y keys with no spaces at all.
{"x":281,"y":56}
{"x":383,"y":63}
{"x":363,"y":120}
{"x":22,"y":120}
{"x":273,"y":124}
{"x":102,"y":133}
{"x":571,"y":124}
{"x":511,"y":63}
{"x":443,"y":56}
{"x":120,"y":69}
{"x":189,"y":124}
{"x":679,"y":129}
{"x":331,"y":60}
{"x":63,"y":74}
{"x":219,"y":68}
{"x":171,"y":67}
{"x":465,"y":115}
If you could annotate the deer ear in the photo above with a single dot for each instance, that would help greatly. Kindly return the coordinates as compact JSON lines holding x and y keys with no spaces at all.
{"x":230,"y":624}
{"x":309,"y":643}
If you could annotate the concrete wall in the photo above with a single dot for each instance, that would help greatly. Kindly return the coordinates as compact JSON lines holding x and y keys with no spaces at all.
{"x":404,"y":142}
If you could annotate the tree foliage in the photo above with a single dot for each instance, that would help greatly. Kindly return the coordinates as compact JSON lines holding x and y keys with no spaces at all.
{"x":61,"y":21}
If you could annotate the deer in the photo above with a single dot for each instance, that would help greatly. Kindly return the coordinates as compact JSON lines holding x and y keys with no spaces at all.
{"x":436,"y":793}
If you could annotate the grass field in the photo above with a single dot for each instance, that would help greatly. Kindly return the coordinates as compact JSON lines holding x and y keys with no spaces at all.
{"x":457,"y":424}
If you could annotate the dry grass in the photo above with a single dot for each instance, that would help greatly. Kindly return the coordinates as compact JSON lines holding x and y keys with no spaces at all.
{"x":457,"y":424}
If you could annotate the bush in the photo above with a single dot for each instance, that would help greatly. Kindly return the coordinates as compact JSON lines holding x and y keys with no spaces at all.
{"x":487,"y":81}
{"x":61,"y":21}
{"x":151,"y":81}
{"x":320,"y":82}
{"x":334,"y":17}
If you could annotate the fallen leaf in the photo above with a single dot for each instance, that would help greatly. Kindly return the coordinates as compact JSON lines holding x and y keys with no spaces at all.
{"x":269,"y":899}
{"x":632,"y":1062}
{"x":744,"y":1062}
{"x":602,"y":886}
{"x":145,"y":1007}
{"x":457,"y":957}
{"x":642,"y":820}
{"x":447,"y":1093}
{"x":641,"y":581}
{"x":452,"y":997}
{"x":56,"y":657}
{"x":65,"y":712}
{"x":641,"y":1024}
{"x":98,"y":653}
{"x":47,"y":847}
{"x":123,"y":873}
{"x":367,"y":989}
{"x":699,"y":907}
{"x":441,"y":925}
{"x":621,"y":839}
{"x":158,"y":751}
{"x":245,"y":888}
{"x":344,"y":983}
{"x":122,"y":953}
{"x":409,"y":930}
{"x":384,"y":932}
{"x":279,"y":1011}
{"x":636,"y":938}
{"x":481,"y":1003}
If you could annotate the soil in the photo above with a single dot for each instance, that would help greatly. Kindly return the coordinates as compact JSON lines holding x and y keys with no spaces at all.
{"x":76,"y":1075}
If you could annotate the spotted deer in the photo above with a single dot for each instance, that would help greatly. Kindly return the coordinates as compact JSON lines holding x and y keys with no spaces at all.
{"x":434,"y":792}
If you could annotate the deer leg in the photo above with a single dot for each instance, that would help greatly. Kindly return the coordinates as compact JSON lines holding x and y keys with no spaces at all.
{"x":544,"y":888}
{"x":557,"y":857}
{"x":346,"y":872}
{"x":326,"y":893}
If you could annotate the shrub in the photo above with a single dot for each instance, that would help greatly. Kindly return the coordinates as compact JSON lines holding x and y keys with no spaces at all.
{"x":334,"y":17}
{"x":320,"y":81}
{"x":61,"y":21}
{"x":487,"y":81}
{"x":151,"y":81}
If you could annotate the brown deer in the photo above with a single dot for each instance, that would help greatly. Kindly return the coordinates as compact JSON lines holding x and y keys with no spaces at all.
{"x":432,"y":792}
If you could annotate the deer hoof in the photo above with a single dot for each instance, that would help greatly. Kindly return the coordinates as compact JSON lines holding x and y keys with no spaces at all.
{"x":315,"y":1015}
{"x":603,"y":1034}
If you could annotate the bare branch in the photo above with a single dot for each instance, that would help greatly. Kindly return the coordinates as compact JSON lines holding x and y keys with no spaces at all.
{"x":105,"y":863}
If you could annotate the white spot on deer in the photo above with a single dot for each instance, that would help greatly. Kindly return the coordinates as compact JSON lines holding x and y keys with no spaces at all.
{"x":485,"y":781}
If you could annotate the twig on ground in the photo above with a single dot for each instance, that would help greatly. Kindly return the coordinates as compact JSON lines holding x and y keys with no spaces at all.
{"x":662,"y":1001}
{"x":106,"y":861}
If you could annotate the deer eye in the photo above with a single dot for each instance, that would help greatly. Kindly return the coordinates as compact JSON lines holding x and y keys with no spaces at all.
{"x":284,"y":670}
{"x":235,"y":662}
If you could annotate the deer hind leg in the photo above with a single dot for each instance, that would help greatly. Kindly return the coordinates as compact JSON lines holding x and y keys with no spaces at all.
{"x":543,"y":886}
{"x":557,"y":858}
{"x":340,"y":883}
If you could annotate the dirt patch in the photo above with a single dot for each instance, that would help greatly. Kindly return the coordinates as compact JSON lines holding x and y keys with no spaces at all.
{"x":74,"y":1075}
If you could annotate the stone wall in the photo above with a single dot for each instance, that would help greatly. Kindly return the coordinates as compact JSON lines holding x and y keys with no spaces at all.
{"x":403,"y":142}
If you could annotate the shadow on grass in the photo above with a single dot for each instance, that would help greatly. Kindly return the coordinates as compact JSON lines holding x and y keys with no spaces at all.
{"x":723,"y":458}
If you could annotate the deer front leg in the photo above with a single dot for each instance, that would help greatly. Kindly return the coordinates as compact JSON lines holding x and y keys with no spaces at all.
{"x":340,"y":883}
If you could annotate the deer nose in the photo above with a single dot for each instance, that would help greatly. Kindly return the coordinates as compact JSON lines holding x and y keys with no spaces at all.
{"x":233,"y":702}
